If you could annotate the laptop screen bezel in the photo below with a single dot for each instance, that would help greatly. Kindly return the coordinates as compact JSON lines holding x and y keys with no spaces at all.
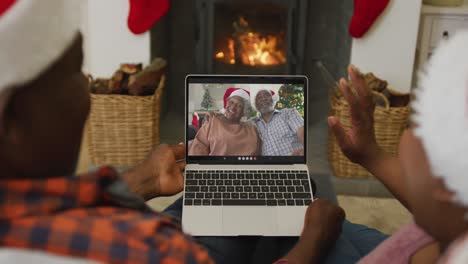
{"x":250,"y":79}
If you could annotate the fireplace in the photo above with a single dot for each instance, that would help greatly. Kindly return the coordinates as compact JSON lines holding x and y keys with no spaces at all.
{"x":250,"y":37}
{"x":193,"y":33}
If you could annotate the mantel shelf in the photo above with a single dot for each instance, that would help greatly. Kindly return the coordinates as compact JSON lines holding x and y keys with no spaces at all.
{"x":440,"y":10}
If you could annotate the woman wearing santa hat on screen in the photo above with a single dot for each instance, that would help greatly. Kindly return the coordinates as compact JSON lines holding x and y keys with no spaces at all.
{"x":227,"y":135}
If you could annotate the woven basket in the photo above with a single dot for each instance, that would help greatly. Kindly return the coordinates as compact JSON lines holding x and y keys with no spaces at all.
{"x":389,"y":124}
{"x":123,"y":129}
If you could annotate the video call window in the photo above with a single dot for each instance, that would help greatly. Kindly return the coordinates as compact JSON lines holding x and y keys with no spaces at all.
{"x":245,"y":120}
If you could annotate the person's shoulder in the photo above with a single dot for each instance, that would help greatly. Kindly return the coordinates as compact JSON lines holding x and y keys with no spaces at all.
{"x":251,"y":123}
{"x":283,"y":113}
{"x":286,"y":111}
{"x":253,"y":120}
{"x":289,"y":112}
{"x":213,"y":118}
{"x":216,"y":117}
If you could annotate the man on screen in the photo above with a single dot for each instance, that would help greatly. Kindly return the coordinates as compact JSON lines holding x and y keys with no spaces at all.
{"x":281,"y":131}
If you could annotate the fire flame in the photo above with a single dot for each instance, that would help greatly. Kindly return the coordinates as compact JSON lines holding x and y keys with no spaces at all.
{"x":252,"y":49}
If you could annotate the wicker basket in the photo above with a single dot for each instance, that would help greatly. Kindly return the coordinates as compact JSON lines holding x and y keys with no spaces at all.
{"x":123,"y":129}
{"x":389,"y":124}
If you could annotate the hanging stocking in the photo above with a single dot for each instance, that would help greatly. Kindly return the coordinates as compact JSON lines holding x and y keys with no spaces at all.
{"x":144,"y":13}
{"x":365,"y":14}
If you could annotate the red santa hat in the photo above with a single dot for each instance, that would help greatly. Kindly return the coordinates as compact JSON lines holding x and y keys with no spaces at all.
{"x":34,"y":35}
{"x":230,"y":92}
{"x":441,"y":114}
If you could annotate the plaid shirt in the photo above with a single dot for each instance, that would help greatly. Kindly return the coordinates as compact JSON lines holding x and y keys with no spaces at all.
{"x":93,"y":216}
{"x":279,"y":135}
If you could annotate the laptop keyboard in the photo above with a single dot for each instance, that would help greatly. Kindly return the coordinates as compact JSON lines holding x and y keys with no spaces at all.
{"x":247,"y":187}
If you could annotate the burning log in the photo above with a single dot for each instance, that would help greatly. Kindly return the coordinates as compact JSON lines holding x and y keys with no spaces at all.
{"x":251,"y":48}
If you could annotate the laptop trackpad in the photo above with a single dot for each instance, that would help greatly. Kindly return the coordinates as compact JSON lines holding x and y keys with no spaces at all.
{"x":249,"y":220}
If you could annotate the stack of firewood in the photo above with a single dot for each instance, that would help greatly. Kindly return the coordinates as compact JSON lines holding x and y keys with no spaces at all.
{"x":131,"y":79}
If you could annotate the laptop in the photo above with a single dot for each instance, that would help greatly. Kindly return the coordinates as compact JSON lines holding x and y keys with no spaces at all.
{"x":230,"y":190}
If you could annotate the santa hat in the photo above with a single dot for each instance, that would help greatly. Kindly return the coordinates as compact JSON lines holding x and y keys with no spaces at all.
{"x":144,"y":13}
{"x":441,"y":113}
{"x":274,"y":97}
{"x":230,"y":92}
{"x":34,"y":35}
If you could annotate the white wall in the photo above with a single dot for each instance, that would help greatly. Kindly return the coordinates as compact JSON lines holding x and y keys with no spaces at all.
{"x":107,"y":39}
{"x":389,"y":48}
{"x":197,"y":90}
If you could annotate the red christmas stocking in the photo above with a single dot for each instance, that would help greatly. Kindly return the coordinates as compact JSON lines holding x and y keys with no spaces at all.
{"x":144,"y":13}
{"x":5,"y":5}
{"x":365,"y":13}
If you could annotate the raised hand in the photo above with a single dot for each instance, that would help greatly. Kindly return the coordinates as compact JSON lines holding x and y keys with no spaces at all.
{"x":358,"y":144}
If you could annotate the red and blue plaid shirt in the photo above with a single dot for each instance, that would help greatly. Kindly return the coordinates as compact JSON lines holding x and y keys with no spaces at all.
{"x":89,"y":217}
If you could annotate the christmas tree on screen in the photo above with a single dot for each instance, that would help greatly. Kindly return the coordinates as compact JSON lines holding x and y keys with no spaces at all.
{"x":291,"y":96}
{"x":207,"y":102}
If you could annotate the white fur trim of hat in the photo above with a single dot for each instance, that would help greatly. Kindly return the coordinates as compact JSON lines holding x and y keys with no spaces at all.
{"x":34,"y":34}
{"x":241,"y":93}
{"x":441,"y":114}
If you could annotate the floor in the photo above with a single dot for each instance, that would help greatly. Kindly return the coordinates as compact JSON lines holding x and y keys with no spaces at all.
{"x":364,"y":201}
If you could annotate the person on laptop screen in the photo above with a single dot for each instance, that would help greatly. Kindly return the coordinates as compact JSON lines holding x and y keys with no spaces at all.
{"x":226,"y":134}
{"x":281,"y":131}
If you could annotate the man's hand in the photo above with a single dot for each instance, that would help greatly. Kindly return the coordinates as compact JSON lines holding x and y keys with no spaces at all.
{"x":359,"y":143}
{"x":160,"y":174}
{"x":322,"y":227}
{"x":323,"y":221}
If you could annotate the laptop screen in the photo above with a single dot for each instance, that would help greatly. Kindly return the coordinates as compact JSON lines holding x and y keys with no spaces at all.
{"x":246,"y":119}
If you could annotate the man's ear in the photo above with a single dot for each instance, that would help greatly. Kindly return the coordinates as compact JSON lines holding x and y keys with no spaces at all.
{"x":440,"y":192}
